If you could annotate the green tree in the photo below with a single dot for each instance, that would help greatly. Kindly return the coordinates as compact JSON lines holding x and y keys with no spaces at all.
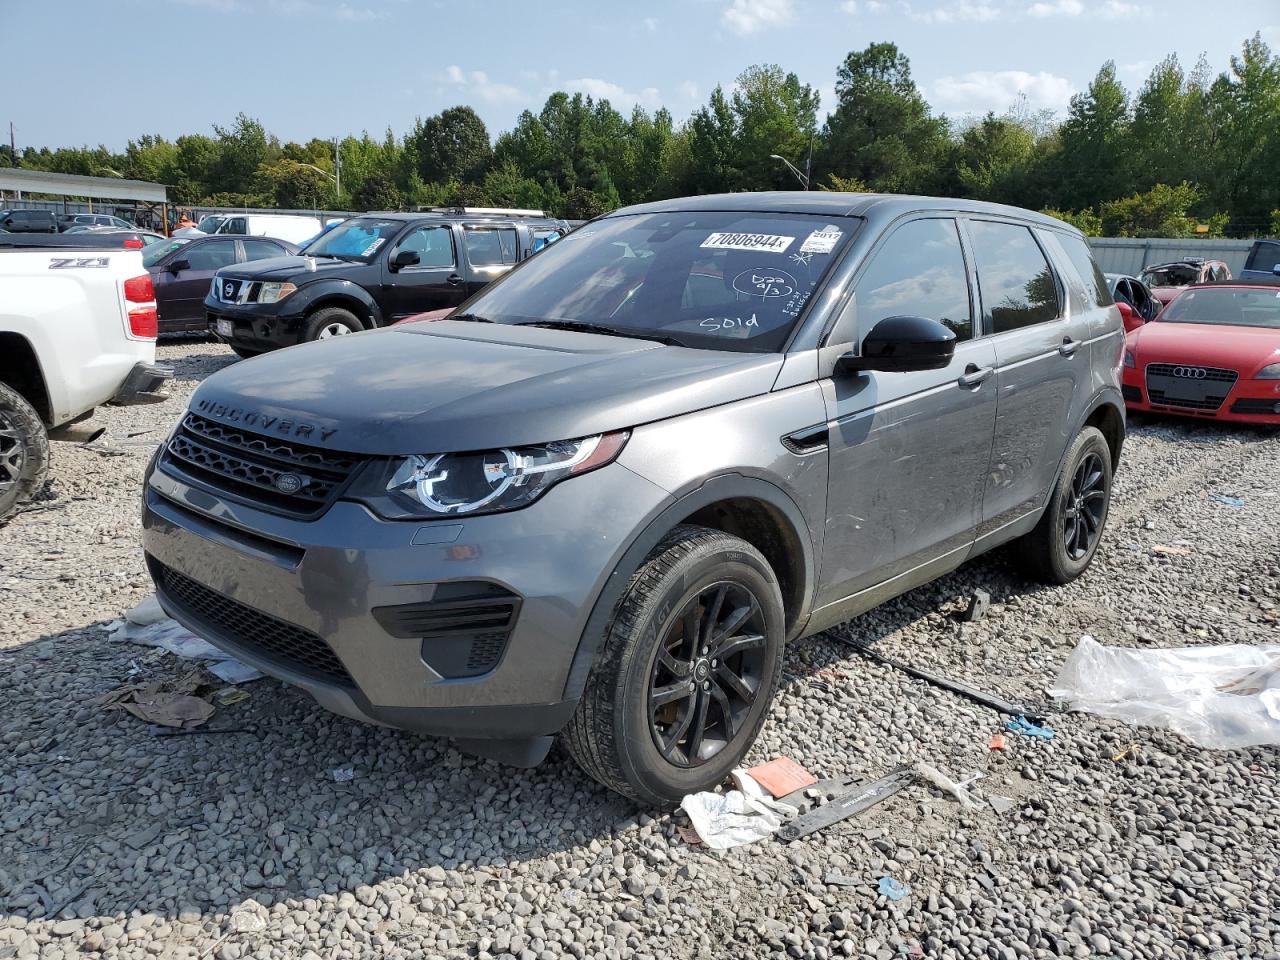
{"x":377,"y":191}
{"x":1245,"y":108}
{"x":993,"y":159}
{"x":1094,"y":160}
{"x":774,"y":113}
{"x":882,"y":131}
{"x":241,"y":150}
{"x":294,"y":185}
{"x":1086,"y":221}
{"x":714,"y":159}
{"x":453,"y":144}
{"x":1163,"y":211}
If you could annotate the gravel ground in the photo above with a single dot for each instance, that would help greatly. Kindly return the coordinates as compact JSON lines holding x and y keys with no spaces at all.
{"x":120,"y":843}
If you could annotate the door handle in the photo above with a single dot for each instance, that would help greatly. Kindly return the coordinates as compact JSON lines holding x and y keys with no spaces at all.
{"x":1069,"y":347}
{"x":975,"y":376}
{"x":455,"y":279}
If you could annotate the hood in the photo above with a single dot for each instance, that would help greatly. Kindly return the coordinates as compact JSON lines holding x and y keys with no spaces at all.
{"x":452,"y":385}
{"x":1206,"y":344}
{"x":290,"y":268}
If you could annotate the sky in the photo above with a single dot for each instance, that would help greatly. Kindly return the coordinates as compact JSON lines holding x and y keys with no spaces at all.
{"x":323,"y":68}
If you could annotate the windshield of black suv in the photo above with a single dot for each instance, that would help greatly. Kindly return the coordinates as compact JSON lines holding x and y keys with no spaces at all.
{"x":357,"y":239}
{"x":1226,"y":306}
{"x":720,"y":280}
{"x":155,"y":252}
{"x":1173,"y":275}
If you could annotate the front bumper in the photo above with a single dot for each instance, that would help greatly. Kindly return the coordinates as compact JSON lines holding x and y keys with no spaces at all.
{"x":144,"y":384}
{"x":254,"y":327}
{"x":328,"y":577}
{"x":1247,"y":401}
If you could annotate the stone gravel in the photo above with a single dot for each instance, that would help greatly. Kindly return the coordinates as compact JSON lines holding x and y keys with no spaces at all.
{"x":118,"y":843}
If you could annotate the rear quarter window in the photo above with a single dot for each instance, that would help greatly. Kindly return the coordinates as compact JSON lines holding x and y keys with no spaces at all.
{"x":1091,"y":290}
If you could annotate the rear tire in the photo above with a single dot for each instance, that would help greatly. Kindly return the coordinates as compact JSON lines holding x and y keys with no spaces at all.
{"x":331,"y":322}
{"x":24,"y":450}
{"x":1063,"y":543}
{"x":683,"y":681}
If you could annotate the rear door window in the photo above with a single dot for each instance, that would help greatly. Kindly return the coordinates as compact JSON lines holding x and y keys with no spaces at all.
{"x":918,"y":272}
{"x":255,"y":249}
{"x":211,"y":256}
{"x":490,"y":246}
{"x":1017,"y":285}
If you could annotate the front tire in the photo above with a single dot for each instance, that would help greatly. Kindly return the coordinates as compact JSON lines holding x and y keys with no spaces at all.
{"x":331,"y":322}
{"x":1063,"y":544}
{"x":24,"y":450}
{"x":689,"y":666}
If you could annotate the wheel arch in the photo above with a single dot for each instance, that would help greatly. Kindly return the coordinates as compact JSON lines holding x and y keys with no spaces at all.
{"x":20,"y":369}
{"x":755,"y":510}
{"x":1107,"y":414}
{"x":350,"y":297}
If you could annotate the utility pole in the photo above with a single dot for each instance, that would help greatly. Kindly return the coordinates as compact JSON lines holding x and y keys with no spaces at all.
{"x":808,"y":167}
{"x":13,"y":143}
{"x":337,"y":165}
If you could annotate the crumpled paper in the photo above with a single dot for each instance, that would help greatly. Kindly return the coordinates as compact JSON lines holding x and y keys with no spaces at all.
{"x":169,"y":703}
{"x":737,"y":817}
{"x":147,"y":624}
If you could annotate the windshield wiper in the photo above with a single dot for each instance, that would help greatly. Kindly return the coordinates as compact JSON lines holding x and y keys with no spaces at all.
{"x":582,"y":326}
{"x":472,"y":317}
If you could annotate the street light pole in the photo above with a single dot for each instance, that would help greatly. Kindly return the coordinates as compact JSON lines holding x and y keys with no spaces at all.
{"x":804,"y":180}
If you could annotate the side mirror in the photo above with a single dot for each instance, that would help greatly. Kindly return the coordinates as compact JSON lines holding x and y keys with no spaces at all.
{"x":405,"y":258}
{"x":177,"y":266}
{"x":903,"y":345}
{"x":1128,"y":315}
{"x":1276,"y":269}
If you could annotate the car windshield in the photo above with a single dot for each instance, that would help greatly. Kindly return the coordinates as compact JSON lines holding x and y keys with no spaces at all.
{"x":1173,"y":275}
{"x":1227,"y":306}
{"x":210,"y":224}
{"x":156,"y":252}
{"x":358,"y":239}
{"x":718,"y":280}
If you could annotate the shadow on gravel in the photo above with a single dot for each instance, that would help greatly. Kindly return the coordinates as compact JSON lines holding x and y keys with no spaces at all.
{"x":103,"y":817}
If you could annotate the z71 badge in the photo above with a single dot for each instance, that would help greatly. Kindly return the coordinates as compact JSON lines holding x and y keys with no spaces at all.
{"x":71,"y":263}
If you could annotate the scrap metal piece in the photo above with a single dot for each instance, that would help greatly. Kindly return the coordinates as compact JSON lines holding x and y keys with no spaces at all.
{"x":846,"y":806}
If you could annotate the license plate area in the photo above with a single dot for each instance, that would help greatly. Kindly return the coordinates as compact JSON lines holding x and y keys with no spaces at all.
{"x":224,"y":328}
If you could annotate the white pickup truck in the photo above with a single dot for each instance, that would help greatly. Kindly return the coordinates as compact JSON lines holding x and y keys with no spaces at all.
{"x":77,"y":329}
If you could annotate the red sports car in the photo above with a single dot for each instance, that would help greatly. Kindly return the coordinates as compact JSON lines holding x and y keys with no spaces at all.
{"x":1213,"y":352}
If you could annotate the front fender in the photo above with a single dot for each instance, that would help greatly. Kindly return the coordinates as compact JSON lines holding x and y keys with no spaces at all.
{"x":333,"y":292}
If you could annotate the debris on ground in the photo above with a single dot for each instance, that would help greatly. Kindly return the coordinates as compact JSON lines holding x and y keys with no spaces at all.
{"x":979,"y":602}
{"x":1027,"y":728}
{"x":148,"y":625}
{"x":342,"y":774}
{"x":1130,"y":751}
{"x":894,"y":889}
{"x":836,"y":879}
{"x":1001,"y":805}
{"x":735,"y":817}
{"x":782,"y":776}
{"x":688,"y":835}
{"x":997,"y":742}
{"x":229,"y":696}
{"x":1220,"y":697}
{"x":1227,"y":500}
{"x":1171,"y":551}
{"x":168,"y":703}
{"x":849,"y":805}
{"x":935,"y":777}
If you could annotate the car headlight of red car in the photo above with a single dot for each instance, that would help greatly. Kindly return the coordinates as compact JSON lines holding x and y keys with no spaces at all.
{"x":1270,"y":372}
{"x":1129,"y":361}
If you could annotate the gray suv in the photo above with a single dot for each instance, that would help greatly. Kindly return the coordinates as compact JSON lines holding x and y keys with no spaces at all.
{"x":598,"y":499}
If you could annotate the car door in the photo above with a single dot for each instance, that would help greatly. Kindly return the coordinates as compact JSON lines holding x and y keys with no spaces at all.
{"x":259,"y":248}
{"x":908,"y":451}
{"x":1042,"y":367}
{"x":433,"y":282}
{"x":180,"y":292}
{"x":491,"y":252}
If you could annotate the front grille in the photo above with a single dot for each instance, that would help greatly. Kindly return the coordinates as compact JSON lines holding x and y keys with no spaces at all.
{"x":268,"y":472}
{"x":464,"y":629}
{"x":1131,"y":393}
{"x":1189,"y":387}
{"x":1256,"y":405}
{"x":268,"y":636}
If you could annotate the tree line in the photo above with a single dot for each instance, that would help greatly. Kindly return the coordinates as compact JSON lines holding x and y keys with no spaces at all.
{"x":1188,"y":154}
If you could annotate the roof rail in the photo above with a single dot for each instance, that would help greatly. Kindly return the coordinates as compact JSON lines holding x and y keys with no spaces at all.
{"x":486,"y":211}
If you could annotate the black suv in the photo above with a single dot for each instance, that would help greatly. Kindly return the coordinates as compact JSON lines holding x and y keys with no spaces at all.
{"x":28,"y":221}
{"x":370,"y":272}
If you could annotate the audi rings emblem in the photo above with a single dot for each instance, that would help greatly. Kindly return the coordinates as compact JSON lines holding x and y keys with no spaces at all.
{"x":1190,"y":373}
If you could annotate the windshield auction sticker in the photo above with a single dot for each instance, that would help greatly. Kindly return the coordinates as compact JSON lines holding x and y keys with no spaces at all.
{"x":821,"y":241}
{"x":758,"y":242}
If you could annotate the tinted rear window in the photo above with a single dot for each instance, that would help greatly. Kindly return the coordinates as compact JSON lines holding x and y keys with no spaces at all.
{"x":1264,"y":256}
{"x":1095,"y":283}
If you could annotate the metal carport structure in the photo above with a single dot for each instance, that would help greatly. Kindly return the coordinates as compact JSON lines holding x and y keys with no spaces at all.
{"x":19,"y":180}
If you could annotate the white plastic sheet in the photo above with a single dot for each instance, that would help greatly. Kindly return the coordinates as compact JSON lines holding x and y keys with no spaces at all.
{"x":1218,"y":697}
{"x":730,"y":819}
{"x":148,"y":625}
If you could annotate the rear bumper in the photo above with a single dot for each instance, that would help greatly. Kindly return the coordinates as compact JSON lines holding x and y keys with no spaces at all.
{"x":1248,"y":401}
{"x":144,"y":384}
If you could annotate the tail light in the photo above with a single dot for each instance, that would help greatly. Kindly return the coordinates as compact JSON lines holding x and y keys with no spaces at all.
{"x":140,"y":301}
{"x":132,"y":243}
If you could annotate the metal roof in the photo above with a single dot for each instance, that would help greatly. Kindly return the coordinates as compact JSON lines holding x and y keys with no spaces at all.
{"x":831,"y":203}
{"x":74,"y":185}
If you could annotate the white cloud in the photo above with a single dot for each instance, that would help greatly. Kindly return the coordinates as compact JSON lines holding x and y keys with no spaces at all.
{"x":874,"y":6}
{"x":745,"y":17}
{"x":651,"y":24}
{"x":477,"y":84}
{"x":1139,"y":68}
{"x":960,"y":10}
{"x":1056,"y":8}
{"x":996,"y":90}
{"x":689,"y":90}
{"x":849,"y":6}
{"x":1119,"y":10}
{"x":618,"y":96}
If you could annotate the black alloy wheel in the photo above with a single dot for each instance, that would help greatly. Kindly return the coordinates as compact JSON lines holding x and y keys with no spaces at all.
{"x":1086,"y":507}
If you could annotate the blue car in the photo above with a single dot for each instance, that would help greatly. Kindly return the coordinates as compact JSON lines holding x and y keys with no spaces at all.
{"x":1264,"y":259}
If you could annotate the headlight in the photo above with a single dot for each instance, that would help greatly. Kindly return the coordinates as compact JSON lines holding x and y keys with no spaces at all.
{"x":1270,"y":372}
{"x":274,"y":292}
{"x":454,"y":484}
{"x":1129,"y":361}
